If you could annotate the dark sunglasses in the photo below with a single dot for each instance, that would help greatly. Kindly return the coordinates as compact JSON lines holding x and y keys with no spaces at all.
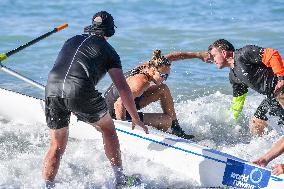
{"x":164,"y":75}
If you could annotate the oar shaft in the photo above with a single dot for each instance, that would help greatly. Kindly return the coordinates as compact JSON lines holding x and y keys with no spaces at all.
{"x":21,"y":77}
{"x":6,"y":55}
{"x":28,"y":44}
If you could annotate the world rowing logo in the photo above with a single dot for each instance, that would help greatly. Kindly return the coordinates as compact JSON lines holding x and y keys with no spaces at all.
{"x":255,"y":176}
{"x":242,"y":175}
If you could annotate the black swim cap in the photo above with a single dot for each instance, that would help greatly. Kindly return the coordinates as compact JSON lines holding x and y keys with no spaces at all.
{"x":102,"y":24}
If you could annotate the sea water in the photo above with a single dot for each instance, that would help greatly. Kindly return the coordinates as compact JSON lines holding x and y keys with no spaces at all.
{"x":201,"y":93}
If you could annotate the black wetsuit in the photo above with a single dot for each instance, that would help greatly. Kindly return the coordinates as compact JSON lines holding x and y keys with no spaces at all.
{"x":250,"y":72}
{"x":81,"y":63}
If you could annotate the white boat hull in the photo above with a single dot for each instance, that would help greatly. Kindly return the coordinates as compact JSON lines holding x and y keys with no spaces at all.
{"x":204,"y":166}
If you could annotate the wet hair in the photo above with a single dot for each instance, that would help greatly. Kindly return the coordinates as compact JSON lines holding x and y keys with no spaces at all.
{"x":157,"y":60}
{"x":222,"y":44}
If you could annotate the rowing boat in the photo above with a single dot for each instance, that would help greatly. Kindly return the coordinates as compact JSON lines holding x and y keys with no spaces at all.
{"x":206,"y":166}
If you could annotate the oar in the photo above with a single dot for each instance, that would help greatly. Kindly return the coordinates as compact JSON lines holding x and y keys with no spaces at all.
{"x":21,"y":77}
{"x":4,"y":56}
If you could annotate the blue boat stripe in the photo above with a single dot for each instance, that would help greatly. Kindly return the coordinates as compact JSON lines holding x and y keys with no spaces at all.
{"x":171,"y":146}
{"x":276,"y":178}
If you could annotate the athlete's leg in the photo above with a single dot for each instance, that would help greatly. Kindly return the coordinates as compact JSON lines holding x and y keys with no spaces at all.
{"x":57,"y":118}
{"x":94,"y":111}
{"x":111,"y":144}
{"x":257,"y":126}
{"x":162,"y":93}
{"x":159,"y":120}
{"x":277,"y":110}
{"x":258,"y":122}
{"x":168,"y":118}
{"x":56,"y":149}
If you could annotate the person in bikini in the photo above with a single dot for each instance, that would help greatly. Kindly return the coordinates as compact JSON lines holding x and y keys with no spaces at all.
{"x":146,"y":82}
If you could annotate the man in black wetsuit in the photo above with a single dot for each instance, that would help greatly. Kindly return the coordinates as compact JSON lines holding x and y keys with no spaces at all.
{"x":258,"y":68}
{"x":71,"y":87}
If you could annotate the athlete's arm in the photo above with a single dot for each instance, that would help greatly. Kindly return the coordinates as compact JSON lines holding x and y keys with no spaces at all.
{"x":271,"y":58}
{"x":267,"y":56}
{"x":238,"y":105}
{"x":126,"y":96}
{"x":239,"y":95}
{"x":175,"y":56}
{"x":278,"y":169}
{"x":274,"y":152}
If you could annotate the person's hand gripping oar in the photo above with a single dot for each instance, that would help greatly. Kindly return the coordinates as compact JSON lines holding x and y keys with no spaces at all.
{"x":4,"y":56}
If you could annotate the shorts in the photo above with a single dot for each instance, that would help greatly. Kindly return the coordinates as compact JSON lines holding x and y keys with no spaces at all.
{"x":137,"y":104}
{"x":137,"y":101}
{"x":272,"y":107}
{"x":58,"y":110}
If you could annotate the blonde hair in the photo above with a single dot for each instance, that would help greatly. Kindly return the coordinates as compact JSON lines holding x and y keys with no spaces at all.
{"x":157,"y":60}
